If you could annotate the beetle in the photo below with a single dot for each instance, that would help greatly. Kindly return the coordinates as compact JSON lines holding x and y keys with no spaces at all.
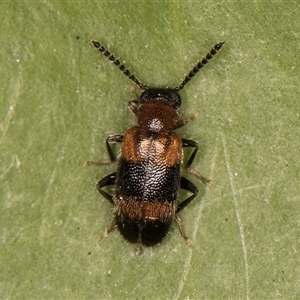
{"x":148,"y":176}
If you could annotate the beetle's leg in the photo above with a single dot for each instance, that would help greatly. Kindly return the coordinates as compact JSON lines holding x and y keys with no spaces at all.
{"x":181,"y":123}
{"x":133,"y":105}
{"x":182,"y":233}
{"x":109,"y":179}
{"x":188,"y":186}
{"x":191,"y":143}
{"x":112,"y":226}
{"x":112,"y":158}
{"x":113,"y":139}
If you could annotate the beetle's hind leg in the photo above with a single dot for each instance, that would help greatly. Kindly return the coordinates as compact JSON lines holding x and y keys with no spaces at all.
{"x":109,"y":179}
{"x":112,"y":227}
{"x":182,"y":233}
{"x":187,"y":185}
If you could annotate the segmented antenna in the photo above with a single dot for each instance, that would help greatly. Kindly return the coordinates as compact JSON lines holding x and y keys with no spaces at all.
{"x":199,"y":65}
{"x":112,"y":58}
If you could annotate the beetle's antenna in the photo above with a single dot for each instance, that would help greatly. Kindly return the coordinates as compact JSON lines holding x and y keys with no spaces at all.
{"x":198,"y":66}
{"x":112,"y":58}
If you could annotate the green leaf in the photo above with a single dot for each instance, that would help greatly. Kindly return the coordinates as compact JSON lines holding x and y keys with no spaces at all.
{"x":60,"y":99}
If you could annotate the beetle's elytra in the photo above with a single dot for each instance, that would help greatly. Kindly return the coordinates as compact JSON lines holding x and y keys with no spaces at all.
{"x":148,"y":176}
